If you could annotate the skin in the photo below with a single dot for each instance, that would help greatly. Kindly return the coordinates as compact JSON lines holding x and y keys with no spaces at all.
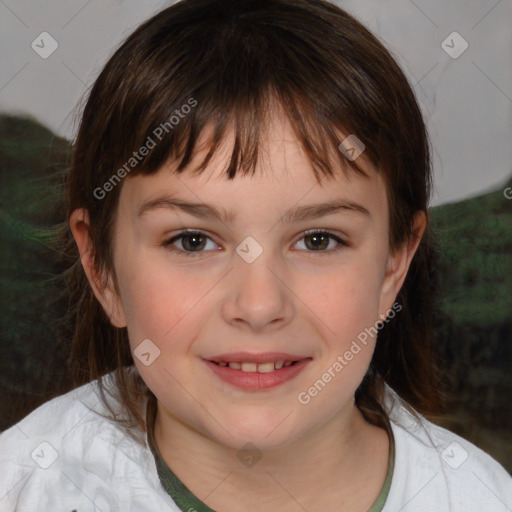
{"x":291,"y":299}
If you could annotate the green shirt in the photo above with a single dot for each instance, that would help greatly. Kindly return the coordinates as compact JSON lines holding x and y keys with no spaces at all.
{"x":186,"y":501}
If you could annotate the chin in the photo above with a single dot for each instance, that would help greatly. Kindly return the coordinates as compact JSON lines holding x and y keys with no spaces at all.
{"x":265,"y":433}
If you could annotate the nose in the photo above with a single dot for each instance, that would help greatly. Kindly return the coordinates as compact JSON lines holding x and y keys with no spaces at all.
{"x":258,"y":297}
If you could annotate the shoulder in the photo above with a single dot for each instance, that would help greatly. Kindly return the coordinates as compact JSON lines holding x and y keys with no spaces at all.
{"x":436,"y":469}
{"x":70,"y":444}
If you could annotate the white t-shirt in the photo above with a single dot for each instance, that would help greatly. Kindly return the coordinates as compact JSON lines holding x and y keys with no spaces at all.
{"x":66,"y":457}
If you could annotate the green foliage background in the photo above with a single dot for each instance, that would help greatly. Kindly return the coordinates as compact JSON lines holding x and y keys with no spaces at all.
{"x":474,"y":330}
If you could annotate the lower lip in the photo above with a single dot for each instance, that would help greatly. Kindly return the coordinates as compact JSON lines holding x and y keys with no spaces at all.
{"x":254,"y":381}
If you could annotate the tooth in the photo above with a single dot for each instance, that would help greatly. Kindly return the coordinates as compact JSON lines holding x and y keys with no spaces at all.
{"x":255,"y":367}
{"x":265,"y":367}
{"x":249,"y":367}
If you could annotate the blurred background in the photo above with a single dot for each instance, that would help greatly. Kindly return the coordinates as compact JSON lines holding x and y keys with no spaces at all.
{"x":457,"y":56}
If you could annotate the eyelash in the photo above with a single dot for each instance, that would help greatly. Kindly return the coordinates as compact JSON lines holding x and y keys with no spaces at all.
{"x":168,"y":243}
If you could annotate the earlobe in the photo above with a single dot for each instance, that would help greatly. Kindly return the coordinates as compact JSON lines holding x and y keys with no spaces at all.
{"x":101,"y":284}
{"x":398,"y":263}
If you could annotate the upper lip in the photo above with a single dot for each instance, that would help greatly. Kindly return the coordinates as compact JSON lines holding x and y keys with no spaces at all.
{"x":263,"y":357}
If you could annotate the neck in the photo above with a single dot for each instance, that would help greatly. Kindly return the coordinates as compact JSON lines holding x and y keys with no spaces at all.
{"x":346,"y":454}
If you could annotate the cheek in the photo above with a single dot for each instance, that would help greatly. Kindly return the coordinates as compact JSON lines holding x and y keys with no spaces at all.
{"x":347,"y":303}
{"x":163,"y":307}
{"x":344,"y":301}
{"x":157,"y":302}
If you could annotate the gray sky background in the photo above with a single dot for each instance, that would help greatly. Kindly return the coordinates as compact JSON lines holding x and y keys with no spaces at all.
{"x":467,"y":100}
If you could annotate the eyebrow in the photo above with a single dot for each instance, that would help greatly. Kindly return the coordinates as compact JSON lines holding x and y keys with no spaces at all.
{"x":295,"y":214}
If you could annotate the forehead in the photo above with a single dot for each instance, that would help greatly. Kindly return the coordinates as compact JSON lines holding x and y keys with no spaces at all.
{"x":283,"y":178}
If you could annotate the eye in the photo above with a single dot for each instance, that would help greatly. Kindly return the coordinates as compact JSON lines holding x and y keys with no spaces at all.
{"x":318,"y":241}
{"x":190,"y":241}
{"x":193,"y":243}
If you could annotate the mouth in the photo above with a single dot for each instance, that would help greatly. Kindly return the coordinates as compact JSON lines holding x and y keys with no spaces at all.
{"x":257,"y":372}
{"x":246,"y":366}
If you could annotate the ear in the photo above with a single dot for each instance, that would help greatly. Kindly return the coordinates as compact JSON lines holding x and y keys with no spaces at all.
{"x":398,"y":265}
{"x":102,"y":285}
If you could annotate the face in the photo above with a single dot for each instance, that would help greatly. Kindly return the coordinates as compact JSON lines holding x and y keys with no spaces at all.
{"x":269,"y":281}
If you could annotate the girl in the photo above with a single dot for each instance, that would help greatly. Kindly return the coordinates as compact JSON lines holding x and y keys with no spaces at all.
{"x":252,"y":282}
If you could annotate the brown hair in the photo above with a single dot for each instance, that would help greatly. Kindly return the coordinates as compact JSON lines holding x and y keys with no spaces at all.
{"x":233,"y":58}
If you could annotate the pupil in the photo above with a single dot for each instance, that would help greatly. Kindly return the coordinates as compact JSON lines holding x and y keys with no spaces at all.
{"x":196,"y":241}
{"x":317,"y":238}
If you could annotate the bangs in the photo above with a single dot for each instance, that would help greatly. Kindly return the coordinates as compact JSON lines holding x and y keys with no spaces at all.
{"x":236,"y":63}
{"x":247,"y":124}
